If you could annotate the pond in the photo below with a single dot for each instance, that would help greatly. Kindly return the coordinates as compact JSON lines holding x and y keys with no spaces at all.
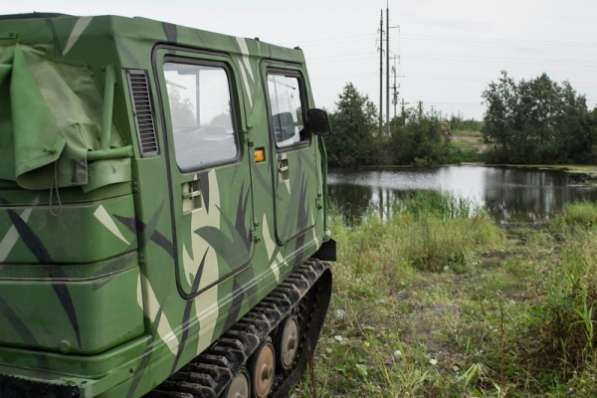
{"x":508,"y":194}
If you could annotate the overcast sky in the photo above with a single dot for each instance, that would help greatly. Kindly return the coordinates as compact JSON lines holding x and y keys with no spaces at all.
{"x":450,"y":50}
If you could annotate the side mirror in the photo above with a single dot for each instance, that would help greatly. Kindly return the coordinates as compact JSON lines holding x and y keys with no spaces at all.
{"x":318,"y":122}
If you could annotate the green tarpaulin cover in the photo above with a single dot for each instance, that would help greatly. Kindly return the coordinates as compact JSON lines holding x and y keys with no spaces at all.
{"x":50,"y":118}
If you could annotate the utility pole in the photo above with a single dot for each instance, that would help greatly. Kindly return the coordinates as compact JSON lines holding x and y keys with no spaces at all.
{"x":403,"y":113}
{"x":381,"y":74}
{"x":395,"y":87}
{"x":388,"y":67}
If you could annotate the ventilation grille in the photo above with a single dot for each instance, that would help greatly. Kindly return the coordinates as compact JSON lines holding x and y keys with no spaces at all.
{"x":143,"y":108}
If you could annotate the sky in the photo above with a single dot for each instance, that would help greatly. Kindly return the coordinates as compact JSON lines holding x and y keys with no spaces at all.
{"x":449,"y":50}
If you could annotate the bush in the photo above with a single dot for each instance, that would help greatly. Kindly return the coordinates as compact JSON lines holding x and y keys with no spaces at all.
{"x":422,"y":139}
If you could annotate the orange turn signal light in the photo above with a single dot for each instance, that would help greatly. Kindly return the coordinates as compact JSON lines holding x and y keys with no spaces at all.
{"x":259,"y":155}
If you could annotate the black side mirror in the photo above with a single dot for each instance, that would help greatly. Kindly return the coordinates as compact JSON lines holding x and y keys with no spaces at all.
{"x":318,"y":122}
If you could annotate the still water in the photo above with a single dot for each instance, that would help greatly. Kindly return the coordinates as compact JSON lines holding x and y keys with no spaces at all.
{"x":508,"y":194}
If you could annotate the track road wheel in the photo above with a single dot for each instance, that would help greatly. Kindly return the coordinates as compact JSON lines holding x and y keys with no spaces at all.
{"x":240,"y":386}
{"x":263,"y":370}
{"x":288,"y":342}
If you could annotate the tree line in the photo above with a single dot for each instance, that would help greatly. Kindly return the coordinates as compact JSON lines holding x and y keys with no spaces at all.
{"x":538,"y":121}
{"x":416,"y":137}
{"x":527,"y":122}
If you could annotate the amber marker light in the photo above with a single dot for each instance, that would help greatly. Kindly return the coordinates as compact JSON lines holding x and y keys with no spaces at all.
{"x":259,"y":155}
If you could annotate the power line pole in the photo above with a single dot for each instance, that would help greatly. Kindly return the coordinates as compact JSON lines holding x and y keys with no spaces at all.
{"x":388,"y":68}
{"x":395,"y":87}
{"x":381,"y":74}
{"x":403,"y":113}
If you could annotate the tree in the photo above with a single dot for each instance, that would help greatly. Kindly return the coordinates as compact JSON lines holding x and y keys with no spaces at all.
{"x":422,"y":140}
{"x":537,"y":121}
{"x":501,"y":98}
{"x":354,"y":122}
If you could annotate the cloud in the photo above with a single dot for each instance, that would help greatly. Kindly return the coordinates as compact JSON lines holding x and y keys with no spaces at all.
{"x":452,"y":48}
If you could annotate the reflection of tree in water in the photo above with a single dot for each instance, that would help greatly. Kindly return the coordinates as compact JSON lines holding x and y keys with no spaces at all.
{"x":384,"y":200}
{"x":355,"y":201}
{"x":352,"y":201}
{"x":531,"y":196}
{"x":507,"y":194}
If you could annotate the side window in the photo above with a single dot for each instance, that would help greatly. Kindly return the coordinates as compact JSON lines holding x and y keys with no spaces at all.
{"x":201,"y":114}
{"x":286,"y":109}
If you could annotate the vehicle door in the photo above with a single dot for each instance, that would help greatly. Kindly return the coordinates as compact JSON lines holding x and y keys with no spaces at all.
{"x":295,"y":169}
{"x":210,"y":183}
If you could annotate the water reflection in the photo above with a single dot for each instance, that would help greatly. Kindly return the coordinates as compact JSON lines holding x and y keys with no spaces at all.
{"x":508,"y":194}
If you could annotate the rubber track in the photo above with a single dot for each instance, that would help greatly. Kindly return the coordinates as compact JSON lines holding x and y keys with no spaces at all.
{"x":306,"y":292}
{"x":12,"y":387}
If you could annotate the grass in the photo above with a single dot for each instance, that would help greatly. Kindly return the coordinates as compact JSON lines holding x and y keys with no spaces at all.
{"x":438,"y":301}
{"x":581,"y":215}
{"x":468,"y":145}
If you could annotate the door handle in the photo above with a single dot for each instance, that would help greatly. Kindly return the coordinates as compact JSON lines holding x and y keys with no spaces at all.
{"x":191,"y":190}
{"x":191,"y":195}
{"x":283,"y":168}
{"x":283,"y":165}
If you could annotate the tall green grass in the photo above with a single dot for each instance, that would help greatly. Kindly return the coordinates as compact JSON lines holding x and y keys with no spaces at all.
{"x":553,"y":343}
{"x":433,"y":204}
{"x":437,"y":301}
{"x":565,"y":323}
{"x":427,"y":231}
{"x":581,"y":214}
{"x":378,"y":260}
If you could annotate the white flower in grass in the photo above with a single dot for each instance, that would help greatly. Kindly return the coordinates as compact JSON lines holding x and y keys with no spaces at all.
{"x":340,"y":315}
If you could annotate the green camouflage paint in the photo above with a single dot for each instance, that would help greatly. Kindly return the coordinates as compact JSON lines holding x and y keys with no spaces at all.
{"x":109,"y":279}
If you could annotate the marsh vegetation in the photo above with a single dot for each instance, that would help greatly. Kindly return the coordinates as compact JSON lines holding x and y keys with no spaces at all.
{"x":439,"y":301}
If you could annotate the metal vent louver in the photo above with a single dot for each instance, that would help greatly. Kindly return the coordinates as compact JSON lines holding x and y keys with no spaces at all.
{"x":143,"y":109}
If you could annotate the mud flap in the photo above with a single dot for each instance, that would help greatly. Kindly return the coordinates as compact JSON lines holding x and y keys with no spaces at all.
{"x":327,"y":251}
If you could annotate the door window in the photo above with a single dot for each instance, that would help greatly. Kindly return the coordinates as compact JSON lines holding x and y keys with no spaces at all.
{"x":201,"y":114}
{"x":286,"y":109}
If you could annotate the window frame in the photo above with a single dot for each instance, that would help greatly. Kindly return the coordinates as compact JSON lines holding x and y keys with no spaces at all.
{"x":288,"y":72}
{"x":234,"y":108}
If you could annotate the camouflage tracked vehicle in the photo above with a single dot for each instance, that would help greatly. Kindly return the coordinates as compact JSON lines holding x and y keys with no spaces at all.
{"x":162,"y":211}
